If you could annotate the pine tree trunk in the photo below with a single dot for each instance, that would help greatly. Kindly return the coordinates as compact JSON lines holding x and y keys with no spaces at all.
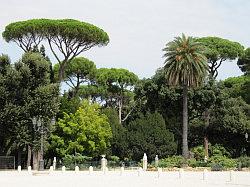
{"x":35,"y":160}
{"x":185,"y":123}
{"x":61,"y":72}
{"x":206,"y":146}
{"x":120,"y":110}
{"x":19,"y":157}
{"x":207,"y":117}
{"x":29,"y":156}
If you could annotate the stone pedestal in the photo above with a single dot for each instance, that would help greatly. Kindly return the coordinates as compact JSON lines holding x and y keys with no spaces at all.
{"x":51,"y":169}
{"x":91,"y":169}
{"x":63,"y":169}
{"x":19,"y":169}
{"x":29,"y":170}
{"x":77,"y":169}
{"x":122,"y":171}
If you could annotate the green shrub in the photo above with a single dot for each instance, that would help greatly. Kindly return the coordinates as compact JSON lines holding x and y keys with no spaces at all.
{"x":244,"y":161}
{"x":114,"y":161}
{"x":222,"y":162}
{"x":199,"y":152}
{"x":170,"y":162}
{"x":214,"y":150}
{"x":70,"y":161}
{"x":197,"y":163}
{"x":219,"y":150}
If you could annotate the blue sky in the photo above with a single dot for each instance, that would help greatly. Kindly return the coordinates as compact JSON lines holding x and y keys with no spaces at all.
{"x":139,"y":29}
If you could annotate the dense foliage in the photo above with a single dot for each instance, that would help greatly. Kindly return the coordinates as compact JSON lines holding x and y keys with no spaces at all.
{"x":26,"y":92}
{"x":86,"y":131}
{"x":182,"y":109}
{"x":148,"y":134}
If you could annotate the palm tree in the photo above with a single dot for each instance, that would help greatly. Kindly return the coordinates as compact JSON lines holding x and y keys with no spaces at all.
{"x":186,"y":66}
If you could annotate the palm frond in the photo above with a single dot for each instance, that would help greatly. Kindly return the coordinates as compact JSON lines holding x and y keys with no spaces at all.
{"x":185,"y":62}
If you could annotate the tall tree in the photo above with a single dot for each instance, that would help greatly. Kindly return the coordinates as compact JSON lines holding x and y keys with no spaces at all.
{"x":186,"y":66}
{"x":79,"y":71}
{"x":219,"y":50}
{"x":119,"y":84}
{"x":69,"y":37}
{"x":26,"y":92}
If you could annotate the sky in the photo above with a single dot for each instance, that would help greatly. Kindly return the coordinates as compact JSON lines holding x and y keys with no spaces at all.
{"x":138,"y":29}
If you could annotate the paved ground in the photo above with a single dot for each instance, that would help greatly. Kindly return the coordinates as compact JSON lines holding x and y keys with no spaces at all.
{"x":128,"y":179}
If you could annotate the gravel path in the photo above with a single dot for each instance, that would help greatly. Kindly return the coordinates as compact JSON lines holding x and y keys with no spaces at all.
{"x":128,"y":179}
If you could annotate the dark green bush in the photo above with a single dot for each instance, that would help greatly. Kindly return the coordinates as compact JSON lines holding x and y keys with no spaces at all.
{"x":245,"y":162}
{"x":148,"y":133}
{"x":218,"y":150}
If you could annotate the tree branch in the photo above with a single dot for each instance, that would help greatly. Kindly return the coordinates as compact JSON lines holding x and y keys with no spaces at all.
{"x":49,"y":41}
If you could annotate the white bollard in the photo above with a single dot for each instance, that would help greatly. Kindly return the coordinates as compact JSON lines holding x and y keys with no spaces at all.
{"x":232,"y":176}
{"x":54,"y":163}
{"x":159,"y":171}
{"x":103,"y":163}
{"x":145,"y":162}
{"x":51,"y":169}
{"x":19,"y":169}
{"x":204,"y":176}
{"x":139,"y":171}
{"x":121,"y":171}
{"x":77,"y":169}
{"x":156,"y":161}
{"x":29,"y":170}
{"x":63,"y":169}
{"x":180,"y":173}
{"x":91,"y":170}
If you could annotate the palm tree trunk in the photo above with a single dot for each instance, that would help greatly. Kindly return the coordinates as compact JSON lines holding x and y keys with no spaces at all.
{"x":185,"y":123}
